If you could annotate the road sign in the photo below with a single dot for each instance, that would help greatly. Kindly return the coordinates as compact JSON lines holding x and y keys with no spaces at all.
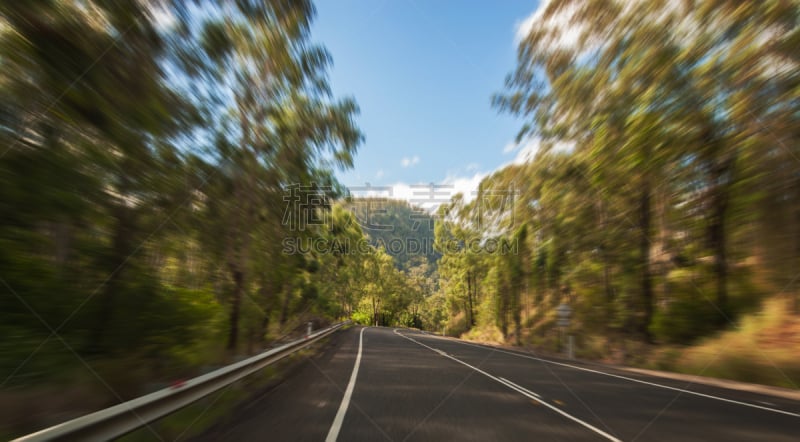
{"x":564,"y":312}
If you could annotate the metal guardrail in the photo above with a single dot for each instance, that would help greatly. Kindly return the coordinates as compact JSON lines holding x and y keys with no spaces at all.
{"x":123,"y":418}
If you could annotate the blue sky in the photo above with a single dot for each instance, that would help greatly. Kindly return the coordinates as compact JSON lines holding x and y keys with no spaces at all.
{"x":423,"y":72}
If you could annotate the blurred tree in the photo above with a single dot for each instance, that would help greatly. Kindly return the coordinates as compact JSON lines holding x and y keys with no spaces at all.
{"x":284,"y":130}
{"x":95,"y":107}
{"x":146,"y":152}
{"x":667,"y":119}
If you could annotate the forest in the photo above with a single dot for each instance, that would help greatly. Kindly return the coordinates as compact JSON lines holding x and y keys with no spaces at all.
{"x":668,"y":178}
{"x":169,"y":200}
{"x":144,"y":183}
{"x":663,"y":203}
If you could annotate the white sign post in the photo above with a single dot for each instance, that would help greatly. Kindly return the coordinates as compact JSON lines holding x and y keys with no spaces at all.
{"x":564,"y":312}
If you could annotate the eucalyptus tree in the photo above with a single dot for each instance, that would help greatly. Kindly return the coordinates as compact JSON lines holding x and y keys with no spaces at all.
{"x":284,"y":130}
{"x":744,"y":72}
{"x":640,"y":103}
{"x":85,"y":96}
{"x":342,"y":254}
{"x":457,"y":239}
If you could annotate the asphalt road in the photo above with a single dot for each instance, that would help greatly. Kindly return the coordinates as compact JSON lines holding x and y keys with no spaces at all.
{"x":413,"y":386}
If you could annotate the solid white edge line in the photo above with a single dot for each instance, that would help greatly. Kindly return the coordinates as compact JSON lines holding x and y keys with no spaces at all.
{"x":333,"y":433}
{"x":518,"y":387}
{"x":520,"y":391}
{"x":653,"y":384}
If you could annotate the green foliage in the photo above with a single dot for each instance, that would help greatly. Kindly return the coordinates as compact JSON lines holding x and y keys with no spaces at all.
{"x":143,"y":169}
{"x":647,"y":204}
{"x":684,"y":319}
{"x":361,"y":317}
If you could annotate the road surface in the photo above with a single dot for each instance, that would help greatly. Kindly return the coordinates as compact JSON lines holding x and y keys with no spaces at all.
{"x":407,"y":385}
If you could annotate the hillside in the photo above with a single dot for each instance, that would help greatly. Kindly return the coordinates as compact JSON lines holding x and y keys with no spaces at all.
{"x":404,"y":231}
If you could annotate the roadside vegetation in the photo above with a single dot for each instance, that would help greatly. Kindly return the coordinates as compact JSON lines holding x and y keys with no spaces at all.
{"x":661,"y":198}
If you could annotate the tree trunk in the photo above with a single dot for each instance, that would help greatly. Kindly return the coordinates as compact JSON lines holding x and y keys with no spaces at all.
{"x":121,"y":251}
{"x":526,"y":299}
{"x":722,"y":177}
{"x":262,"y":338}
{"x":504,"y":315}
{"x":604,"y":256}
{"x":236,"y":301}
{"x":644,"y":256}
{"x":718,"y":235}
{"x":375,"y":311}
{"x":796,"y":257}
{"x":608,"y":289}
{"x":267,"y":294}
{"x":517,"y":318}
{"x":285,"y":307}
{"x":470,"y":312}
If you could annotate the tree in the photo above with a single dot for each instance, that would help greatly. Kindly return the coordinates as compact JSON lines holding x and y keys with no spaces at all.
{"x":284,"y":128}
{"x":99,"y":105}
{"x":640,"y":107}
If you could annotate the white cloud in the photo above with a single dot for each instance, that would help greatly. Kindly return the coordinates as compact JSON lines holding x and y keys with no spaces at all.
{"x":528,"y":148}
{"x":565,"y":33}
{"x":528,"y":145}
{"x":527,"y":151}
{"x":401,"y":191}
{"x":523,"y":27}
{"x":428,"y":196}
{"x":467,"y":186}
{"x":510,"y":147}
{"x":409,"y":161}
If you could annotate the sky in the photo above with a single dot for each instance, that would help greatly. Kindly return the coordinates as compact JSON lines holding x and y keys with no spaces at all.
{"x":423,"y":73}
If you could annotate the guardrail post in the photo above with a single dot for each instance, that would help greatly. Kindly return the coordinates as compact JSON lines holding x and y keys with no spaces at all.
{"x":309,"y":329}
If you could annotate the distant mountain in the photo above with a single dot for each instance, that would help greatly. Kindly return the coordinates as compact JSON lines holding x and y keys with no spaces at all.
{"x":403,"y":230}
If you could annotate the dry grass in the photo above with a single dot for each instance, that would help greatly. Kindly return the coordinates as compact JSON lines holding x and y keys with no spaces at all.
{"x":763,"y":349}
{"x":485,"y":335}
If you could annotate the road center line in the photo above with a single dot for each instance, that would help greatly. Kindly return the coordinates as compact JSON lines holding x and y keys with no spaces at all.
{"x":519,"y":390}
{"x":333,"y":433}
{"x":652,"y":384}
